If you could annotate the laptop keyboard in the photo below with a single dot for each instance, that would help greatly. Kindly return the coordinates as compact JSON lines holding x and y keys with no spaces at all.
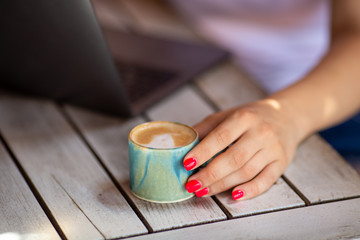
{"x":140,"y":81}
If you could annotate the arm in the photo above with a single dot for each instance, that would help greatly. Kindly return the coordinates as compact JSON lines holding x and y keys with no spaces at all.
{"x":265,"y":134}
{"x":331,"y":92}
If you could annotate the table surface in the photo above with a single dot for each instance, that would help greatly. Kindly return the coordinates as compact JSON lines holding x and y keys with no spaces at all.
{"x":64,"y":170}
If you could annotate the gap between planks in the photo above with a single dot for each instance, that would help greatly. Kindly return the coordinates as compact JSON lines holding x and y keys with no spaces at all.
{"x":108,"y":172}
{"x":32,"y":187}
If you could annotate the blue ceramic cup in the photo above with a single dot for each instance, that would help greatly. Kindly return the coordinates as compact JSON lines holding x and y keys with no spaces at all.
{"x":156,"y":153}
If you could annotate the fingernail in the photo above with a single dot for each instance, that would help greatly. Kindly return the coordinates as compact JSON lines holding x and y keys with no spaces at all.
{"x":193,"y":186}
{"x":189,"y":163}
{"x":202,"y":192}
{"x":237,"y":194}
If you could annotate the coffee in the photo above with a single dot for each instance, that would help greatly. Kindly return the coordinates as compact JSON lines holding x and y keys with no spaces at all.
{"x":163,"y":135}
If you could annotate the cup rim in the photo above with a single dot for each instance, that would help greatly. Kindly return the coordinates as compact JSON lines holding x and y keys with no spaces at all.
{"x":154,"y":148}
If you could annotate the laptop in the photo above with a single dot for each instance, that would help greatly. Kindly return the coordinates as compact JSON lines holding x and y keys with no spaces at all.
{"x":57,"y":49}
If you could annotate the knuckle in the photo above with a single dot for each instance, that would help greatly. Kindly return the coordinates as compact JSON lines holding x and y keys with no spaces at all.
{"x":222,"y":137}
{"x":249,"y":172}
{"x":237,"y":159}
{"x":260,"y":187}
{"x":245,"y":115}
{"x":222,"y":186}
{"x":201,"y":155}
{"x":211,"y":175}
{"x":256,"y":189}
{"x":266,"y":129}
{"x":280,"y":150}
{"x":263,"y":186}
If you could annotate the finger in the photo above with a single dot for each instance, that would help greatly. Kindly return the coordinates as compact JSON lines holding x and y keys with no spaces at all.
{"x":245,"y":174}
{"x":209,"y":123}
{"x":231,"y":160}
{"x":224,"y":134}
{"x":260,"y":183}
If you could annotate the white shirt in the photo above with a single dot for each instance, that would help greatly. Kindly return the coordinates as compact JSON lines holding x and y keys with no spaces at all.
{"x":276,"y":42}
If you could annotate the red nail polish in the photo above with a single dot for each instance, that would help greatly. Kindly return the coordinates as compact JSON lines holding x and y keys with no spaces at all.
{"x":237,"y":194}
{"x":189,"y":163}
{"x":193,"y":186}
{"x":202,"y":192}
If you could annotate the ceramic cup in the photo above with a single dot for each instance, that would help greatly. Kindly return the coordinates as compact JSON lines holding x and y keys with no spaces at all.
{"x":156,"y":153}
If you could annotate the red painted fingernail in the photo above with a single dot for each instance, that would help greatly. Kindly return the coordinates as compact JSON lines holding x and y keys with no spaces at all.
{"x":237,"y":194}
{"x":202,"y":192}
{"x":189,"y":163}
{"x":193,"y":186}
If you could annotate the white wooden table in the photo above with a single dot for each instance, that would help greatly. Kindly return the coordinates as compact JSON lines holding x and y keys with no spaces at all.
{"x":64,"y":170}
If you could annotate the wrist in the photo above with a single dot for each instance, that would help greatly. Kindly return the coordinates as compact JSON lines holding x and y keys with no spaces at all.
{"x":297,"y":122}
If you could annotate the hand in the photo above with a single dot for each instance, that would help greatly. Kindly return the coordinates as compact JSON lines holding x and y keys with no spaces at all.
{"x":262,"y":141}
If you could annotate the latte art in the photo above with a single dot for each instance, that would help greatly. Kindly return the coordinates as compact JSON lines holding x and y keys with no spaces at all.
{"x":161,"y":141}
{"x":163,"y":135}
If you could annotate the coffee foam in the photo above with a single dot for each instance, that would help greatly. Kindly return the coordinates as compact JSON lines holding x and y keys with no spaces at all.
{"x":163,"y":135}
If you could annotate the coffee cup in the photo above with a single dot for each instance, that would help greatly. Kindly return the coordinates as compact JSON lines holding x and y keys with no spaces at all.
{"x":156,"y":153}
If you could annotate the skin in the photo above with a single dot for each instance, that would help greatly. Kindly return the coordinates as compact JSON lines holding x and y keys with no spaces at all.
{"x":265,"y":134}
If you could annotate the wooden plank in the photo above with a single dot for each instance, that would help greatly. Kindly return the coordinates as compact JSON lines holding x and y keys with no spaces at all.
{"x":235,"y":88}
{"x":163,"y":23}
{"x":108,"y":137}
{"x":321,"y":174}
{"x":183,"y":102}
{"x":278,"y":197}
{"x":76,"y":189}
{"x":188,"y":107}
{"x":20,"y":214}
{"x":337,"y":220}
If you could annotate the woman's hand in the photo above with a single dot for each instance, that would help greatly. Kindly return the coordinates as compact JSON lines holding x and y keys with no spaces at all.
{"x":262,"y":140}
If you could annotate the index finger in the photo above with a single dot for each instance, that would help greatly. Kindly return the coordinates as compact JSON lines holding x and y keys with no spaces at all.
{"x":209,"y":123}
{"x":222,"y":136}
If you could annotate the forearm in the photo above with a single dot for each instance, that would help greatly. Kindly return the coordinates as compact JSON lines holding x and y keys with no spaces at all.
{"x":327,"y":95}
